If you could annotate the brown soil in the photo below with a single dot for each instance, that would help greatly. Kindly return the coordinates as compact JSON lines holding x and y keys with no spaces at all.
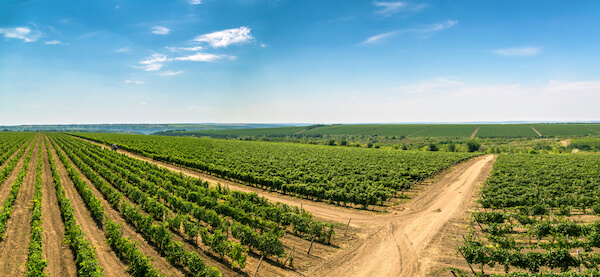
{"x":411,"y":240}
{"x":12,"y":156}
{"x":58,"y":254}
{"x":15,"y":246}
{"x":565,"y":142}
{"x":475,"y":132}
{"x":95,"y":235}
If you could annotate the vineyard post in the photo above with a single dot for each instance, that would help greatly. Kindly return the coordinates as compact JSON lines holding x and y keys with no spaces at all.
{"x":197,"y":231}
{"x":311,"y":243}
{"x":475,"y":230}
{"x":579,"y":261}
{"x":227,"y":230}
{"x":289,"y":255}
{"x":463,"y":255}
{"x":261,"y":258}
{"x":347,"y":226}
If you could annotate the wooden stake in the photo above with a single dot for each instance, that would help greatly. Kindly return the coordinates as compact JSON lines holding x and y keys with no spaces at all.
{"x":463,"y":255}
{"x":347,"y":227}
{"x":261,"y":258}
{"x":289,"y":255}
{"x":311,"y":243}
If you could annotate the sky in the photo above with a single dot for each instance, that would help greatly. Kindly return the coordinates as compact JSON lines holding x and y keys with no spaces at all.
{"x":298,"y":61}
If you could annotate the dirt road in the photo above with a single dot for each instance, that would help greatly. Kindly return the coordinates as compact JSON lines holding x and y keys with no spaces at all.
{"x":392,"y":244}
{"x":396,"y":244}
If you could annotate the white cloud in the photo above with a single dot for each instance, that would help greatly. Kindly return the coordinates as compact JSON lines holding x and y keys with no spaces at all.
{"x":437,"y":27}
{"x":53,"y":42}
{"x":379,"y":38}
{"x":153,"y":63}
{"x":143,"y":103}
{"x":226,"y":37}
{"x":134,"y":82}
{"x":195,"y":2}
{"x":178,"y":49}
{"x":518,"y":51}
{"x":389,"y":8}
{"x":23,"y":33}
{"x":423,"y":30}
{"x":202,"y":57}
{"x":170,"y":73}
{"x":160,"y":30}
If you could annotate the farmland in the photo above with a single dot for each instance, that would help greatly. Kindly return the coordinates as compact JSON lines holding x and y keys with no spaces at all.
{"x":121,"y":215}
{"x":165,"y":206}
{"x":340,"y":175}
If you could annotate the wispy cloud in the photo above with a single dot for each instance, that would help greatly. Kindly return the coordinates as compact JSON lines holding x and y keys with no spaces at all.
{"x":160,"y":30}
{"x":143,"y":103}
{"x":195,"y":2}
{"x":154,"y":62}
{"x":518,"y":51}
{"x":427,"y":29}
{"x":23,"y":33}
{"x":390,"y":8}
{"x":226,"y":37}
{"x":170,"y":73}
{"x":134,"y":82}
{"x":203,"y":57}
{"x":379,"y":38}
{"x":178,"y":49}
{"x":53,"y":42}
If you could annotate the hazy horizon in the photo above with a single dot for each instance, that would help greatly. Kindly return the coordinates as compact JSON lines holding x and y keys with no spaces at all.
{"x":261,"y":61}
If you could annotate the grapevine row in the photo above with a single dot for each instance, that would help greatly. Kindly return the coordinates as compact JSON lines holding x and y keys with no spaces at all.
{"x":137,"y":261}
{"x":192,"y":260}
{"x":35,"y":262}
{"x":12,"y":197}
{"x":85,"y":258}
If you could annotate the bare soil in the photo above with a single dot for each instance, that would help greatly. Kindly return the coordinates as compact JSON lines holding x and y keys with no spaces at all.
{"x":399,"y":244}
{"x":536,"y":131}
{"x":107,"y":259}
{"x":15,"y":246}
{"x":58,"y":254}
{"x":414,"y":239}
{"x":475,"y":132}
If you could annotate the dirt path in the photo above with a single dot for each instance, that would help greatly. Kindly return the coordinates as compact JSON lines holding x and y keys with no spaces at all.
{"x":418,"y":131}
{"x":15,"y":246}
{"x":12,"y":156}
{"x":539,"y":134}
{"x":58,"y":254}
{"x":396,"y":244}
{"x":106,"y":257}
{"x":475,"y":132}
{"x":593,"y":130}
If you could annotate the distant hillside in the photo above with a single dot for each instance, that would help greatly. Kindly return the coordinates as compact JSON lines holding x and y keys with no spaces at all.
{"x":138,"y":128}
{"x":408,"y":130}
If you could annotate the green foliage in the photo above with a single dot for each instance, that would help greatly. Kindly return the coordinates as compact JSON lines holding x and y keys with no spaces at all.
{"x":339,"y":174}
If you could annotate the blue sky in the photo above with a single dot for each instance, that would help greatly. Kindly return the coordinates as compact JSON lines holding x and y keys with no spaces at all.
{"x":298,"y":61}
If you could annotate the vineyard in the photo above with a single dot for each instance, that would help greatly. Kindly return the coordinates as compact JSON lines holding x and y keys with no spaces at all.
{"x":120,"y":215}
{"x":339,"y":175}
{"x":538,"y":214}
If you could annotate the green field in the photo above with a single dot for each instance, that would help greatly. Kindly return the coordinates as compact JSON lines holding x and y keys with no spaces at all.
{"x":406,"y":130}
{"x":341,"y":174}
